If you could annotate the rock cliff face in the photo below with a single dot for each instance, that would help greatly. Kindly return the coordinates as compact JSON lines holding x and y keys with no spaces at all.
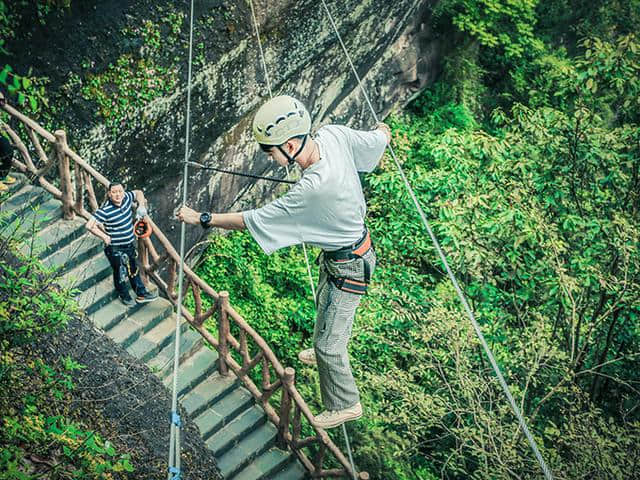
{"x":391,"y":46}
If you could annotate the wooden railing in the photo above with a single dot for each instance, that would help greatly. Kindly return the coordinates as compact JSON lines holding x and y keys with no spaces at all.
{"x":76,"y":192}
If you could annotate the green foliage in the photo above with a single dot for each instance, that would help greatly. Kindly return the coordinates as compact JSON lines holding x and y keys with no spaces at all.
{"x":38,"y":437}
{"x":504,"y":26}
{"x":29,"y":305}
{"x":133,"y":81}
{"x":28,"y":91}
{"x":236,"y":263}
{"x":37,"y":445}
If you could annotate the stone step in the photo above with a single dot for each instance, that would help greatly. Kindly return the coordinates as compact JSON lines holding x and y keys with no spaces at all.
{"x":110,"y":314}
{"x":34,"y":219}
{"x":162,"y":363}
{"x":74,"y":253}
{"x":271,"y":463}
{"x":149,"y":344}
{"x":132,"y":326}
{"x":25,"y":199}
{"x":238,"y":428}
{"x":54,"y":237}
{"x":208,"y":392}
{"x":194,"y":369}
{"x":91,"y":271}
{"x":293,"y":471}
{"x":249,"y":448}
{"x":223,"y":412}
{"x":97,"y":296}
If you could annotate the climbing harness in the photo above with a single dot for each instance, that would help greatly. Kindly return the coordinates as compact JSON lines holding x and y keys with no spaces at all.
{"x":124,"y":268}
{"x":532,"y":443}
{"x":347,"y":254}
{"x":173,"y":472}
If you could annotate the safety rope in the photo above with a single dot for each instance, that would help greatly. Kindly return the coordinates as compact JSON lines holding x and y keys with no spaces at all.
{"x":174,"y":442}
{"x":241,"y":174}
{"x":534,"y":447}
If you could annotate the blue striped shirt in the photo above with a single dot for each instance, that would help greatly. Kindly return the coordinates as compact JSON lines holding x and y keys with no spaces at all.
{"x":117,"y":220}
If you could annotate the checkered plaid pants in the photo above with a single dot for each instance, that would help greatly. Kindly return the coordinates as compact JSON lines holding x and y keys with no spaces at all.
{"x":334,"y":321}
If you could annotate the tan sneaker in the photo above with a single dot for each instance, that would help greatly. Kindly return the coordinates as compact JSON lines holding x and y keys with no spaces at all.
{"x":9,"y":180}
{"x":334,"y":418}
{"x":3,"y":187}
{"x":308,"y":356}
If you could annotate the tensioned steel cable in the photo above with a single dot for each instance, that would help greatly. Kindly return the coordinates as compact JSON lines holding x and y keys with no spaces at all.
{"x":241,"y":174}
{"x":174,"y":442}
{"x":443,"y":258}
{"x":304,"y":247}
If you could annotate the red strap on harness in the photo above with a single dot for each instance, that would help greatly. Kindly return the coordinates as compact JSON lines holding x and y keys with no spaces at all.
{"x":364,"y":247}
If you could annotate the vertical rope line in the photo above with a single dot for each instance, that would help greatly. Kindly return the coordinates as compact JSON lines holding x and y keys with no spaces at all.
{"x":262,"y":59}
{"x":174,"y":443}
{"x":532,"y":443}
{"x":266,"y":76}
{"x":346,"y":439}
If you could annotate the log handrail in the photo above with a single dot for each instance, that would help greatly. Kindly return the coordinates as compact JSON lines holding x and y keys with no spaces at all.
{"x":73,"y":200}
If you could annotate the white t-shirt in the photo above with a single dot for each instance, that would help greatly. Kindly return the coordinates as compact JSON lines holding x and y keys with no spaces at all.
{"x":326,"y":207}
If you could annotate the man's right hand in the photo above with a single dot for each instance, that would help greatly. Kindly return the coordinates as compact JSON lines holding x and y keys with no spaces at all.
{"x":188,"y":215}
{"x":384,"y":128}
{"x":107,"y":241}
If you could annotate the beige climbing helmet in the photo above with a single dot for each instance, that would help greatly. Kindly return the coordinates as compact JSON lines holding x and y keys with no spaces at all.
{"x":281,"y":119}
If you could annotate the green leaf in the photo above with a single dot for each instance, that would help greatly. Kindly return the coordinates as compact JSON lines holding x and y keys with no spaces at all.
{"x":21,"y":98}
{"x":127,"y":465}
{"x":33,"y":103}
{"x":16,"y":81}
{"x":26,"y":83}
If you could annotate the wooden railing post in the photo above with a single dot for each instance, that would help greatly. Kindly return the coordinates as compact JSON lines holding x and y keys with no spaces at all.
{"x":77,"y":171}
{"x":91,"y":194}
{"x":65,"y":175}
{"x":285,"y":407}
{"x":143,"y":251}
{"x":223,"y":333}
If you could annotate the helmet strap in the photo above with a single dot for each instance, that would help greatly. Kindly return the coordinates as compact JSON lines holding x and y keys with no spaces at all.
{"x":289,"y":157}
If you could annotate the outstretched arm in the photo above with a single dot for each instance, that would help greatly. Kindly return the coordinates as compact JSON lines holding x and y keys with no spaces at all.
{"x":228,"y":221}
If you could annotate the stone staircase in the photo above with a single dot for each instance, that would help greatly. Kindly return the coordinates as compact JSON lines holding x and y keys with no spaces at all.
{"x":234,"y":428}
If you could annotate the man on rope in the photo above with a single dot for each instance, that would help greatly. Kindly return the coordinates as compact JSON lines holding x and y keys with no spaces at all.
{"x":113,"y":224}
{"x":326,"y":209}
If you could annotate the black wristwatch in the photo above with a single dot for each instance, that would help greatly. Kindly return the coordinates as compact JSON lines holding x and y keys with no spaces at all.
{"x":205,"y":219}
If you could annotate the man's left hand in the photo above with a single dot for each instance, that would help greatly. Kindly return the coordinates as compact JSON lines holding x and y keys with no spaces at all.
{"x":188,"y":215}
{"x":384,"y":128}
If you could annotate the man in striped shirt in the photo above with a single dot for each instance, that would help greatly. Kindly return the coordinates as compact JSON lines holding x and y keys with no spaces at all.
{"x":113,"y":224}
